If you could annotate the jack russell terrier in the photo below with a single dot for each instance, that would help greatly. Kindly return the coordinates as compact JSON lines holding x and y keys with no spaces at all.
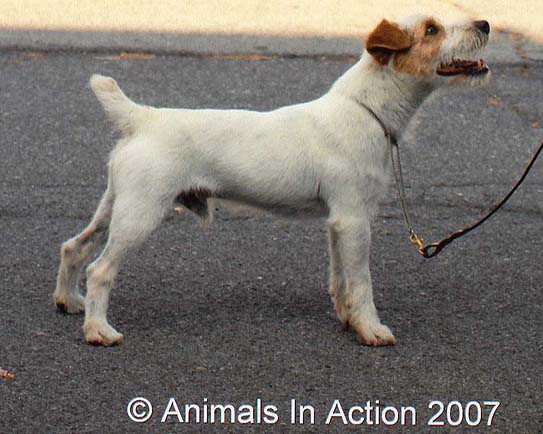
{"x":329,"y":157}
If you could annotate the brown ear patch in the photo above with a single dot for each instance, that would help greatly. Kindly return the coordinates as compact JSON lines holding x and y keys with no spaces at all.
{"x":386,"y":39}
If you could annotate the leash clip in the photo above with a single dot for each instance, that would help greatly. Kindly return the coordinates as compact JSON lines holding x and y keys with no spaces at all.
{"x":415,"y":240}
{"x":425,"y":250}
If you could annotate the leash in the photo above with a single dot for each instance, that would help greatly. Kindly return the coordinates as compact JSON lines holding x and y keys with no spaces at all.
{"x":432,"y":249}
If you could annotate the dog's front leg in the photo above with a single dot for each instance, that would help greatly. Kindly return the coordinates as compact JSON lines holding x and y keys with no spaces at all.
{"x":336,"y":287}
{"x":356,"y":304}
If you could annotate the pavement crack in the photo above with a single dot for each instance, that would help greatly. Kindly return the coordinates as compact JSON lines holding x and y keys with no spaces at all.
{"x":519,"y":41}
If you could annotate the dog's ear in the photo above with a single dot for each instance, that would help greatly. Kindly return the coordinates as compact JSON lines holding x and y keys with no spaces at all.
{"x":386,"y":39}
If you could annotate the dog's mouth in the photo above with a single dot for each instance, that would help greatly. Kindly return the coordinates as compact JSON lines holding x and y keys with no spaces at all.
{"x":463,"y":67}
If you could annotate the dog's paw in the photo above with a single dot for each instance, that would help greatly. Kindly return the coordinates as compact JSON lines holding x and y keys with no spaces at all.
{"x":100,"y":333}
{"x":374,"y":333}
{"x":69,"y":304}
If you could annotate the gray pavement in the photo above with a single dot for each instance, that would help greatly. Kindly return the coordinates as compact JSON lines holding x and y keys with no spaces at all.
{"x":505,"y":46}
{"x":239,"y":311}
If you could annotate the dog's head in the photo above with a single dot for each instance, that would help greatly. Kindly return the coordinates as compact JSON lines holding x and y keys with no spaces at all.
{"x":422,"y":47}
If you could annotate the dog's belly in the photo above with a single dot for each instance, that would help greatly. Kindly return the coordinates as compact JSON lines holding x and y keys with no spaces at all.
{"x":196,"y":200}
{"x":315,"y":208}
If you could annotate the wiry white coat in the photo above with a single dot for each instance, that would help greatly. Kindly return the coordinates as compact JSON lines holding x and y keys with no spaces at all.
{"x":327,"y":157}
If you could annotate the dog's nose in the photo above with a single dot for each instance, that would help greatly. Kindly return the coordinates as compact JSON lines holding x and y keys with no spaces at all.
{"x":483,"y":26}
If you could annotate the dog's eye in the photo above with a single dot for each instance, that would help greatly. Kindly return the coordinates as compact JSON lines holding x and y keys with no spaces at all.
{"x":432,"y":30}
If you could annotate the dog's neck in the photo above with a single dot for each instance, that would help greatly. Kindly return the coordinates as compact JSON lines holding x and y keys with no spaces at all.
{"x":393,"y":97}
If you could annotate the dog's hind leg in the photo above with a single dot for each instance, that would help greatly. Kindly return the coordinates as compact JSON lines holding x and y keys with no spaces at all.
{"x":75,"y":252}
{"x":353,"y":244}
{"x":133,"y":220}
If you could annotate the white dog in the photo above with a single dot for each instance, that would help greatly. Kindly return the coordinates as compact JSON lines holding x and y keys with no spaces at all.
{"x":329,"y":157}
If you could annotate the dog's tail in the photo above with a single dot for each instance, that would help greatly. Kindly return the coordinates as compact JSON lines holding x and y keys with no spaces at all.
{"x":124,"y":112}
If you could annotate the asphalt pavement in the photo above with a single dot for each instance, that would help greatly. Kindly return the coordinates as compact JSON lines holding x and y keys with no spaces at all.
{"x":238,"y":311}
